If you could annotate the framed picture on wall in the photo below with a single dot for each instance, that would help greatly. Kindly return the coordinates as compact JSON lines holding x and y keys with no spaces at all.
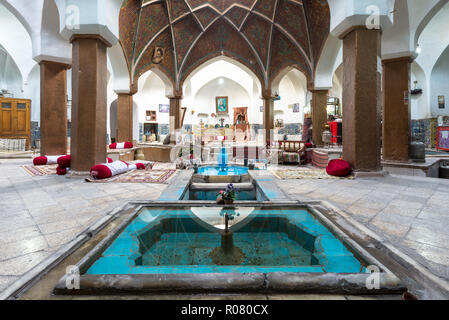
{"x":151,"y":116}
{"x":441,"y":102}
{"x":261,"y":108}
{"x":222,"y":105}
{"x":164,"y":108}
{"x":296,"y":108}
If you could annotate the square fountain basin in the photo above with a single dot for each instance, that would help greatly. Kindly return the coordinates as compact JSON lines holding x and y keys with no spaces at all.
{"x":175,"y":241}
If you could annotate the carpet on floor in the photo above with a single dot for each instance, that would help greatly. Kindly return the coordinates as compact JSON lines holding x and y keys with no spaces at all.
{"x":139,"y":176}
{"x":292,"y":174}
{"x":37,"y":171}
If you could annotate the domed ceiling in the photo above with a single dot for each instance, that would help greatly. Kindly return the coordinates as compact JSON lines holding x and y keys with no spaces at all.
{"x":176,"y":36}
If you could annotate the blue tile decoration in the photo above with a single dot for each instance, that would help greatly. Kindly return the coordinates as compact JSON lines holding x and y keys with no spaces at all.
{"x":167,"y":241}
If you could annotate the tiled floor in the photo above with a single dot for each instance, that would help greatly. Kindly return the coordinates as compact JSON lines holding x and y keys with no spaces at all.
{"x":411,"y":212}
{"x":39,"y":214}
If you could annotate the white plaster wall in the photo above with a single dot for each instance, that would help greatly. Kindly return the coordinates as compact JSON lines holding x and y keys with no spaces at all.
{"x":337,"y":89}
{"x":433,"y":41}
{"x":16,"y":41}
{"x":419,"y":103}
{"x":33,"y":92}
{"x":10,"y":76}
{"x":439,"y":84}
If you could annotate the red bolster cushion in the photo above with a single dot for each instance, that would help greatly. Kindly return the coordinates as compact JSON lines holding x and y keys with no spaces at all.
{"x":100,"y":172}
{"x":104,"y":171}
{"x":64,"y":162}
{"x":40,"y":161}
{"x":309,"y":145}
{"x":338,"y":168}
{"x":121,"y":145}
{"x":110,"y":160}
{"x":46,"y":160}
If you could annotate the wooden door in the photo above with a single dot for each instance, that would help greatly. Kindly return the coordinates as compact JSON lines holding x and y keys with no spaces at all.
{"x":15,"y":119}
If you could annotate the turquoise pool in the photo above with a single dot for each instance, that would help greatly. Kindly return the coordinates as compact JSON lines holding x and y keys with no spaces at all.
{"x":222,"y":171}
{"x":174,"y":241}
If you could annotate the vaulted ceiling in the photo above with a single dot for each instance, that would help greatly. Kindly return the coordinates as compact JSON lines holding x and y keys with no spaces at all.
{"x":265,"y":35}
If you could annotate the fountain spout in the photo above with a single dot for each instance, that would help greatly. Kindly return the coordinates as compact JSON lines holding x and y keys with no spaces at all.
{"x":227,"y":253}
{"x":223,"y":158}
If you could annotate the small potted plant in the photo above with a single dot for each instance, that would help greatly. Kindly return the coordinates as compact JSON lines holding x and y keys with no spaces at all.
{"x":227,"y":196}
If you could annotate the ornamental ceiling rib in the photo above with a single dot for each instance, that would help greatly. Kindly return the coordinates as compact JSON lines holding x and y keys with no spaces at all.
{"x":260,"y":24}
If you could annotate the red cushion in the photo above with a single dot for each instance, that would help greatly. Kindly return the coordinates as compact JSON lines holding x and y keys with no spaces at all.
{"x":110,"y":160}
{"x":40,"y":161}
{"x":100,"y":172}
{"x":64,"y":161}
{"x":309,"y":145}
{"x":61,"y":171}
{"x":338,"y":168}
{"x":129,"y":145}
{"x":140,"y":166}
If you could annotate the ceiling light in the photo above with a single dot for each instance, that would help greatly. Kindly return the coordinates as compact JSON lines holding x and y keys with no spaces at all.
{"x":418,"y":49}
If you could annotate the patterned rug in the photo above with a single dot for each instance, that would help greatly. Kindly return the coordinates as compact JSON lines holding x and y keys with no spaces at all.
{"x":139,"y":176}
{"x":291,"y":174}
{"x":37,"y":171}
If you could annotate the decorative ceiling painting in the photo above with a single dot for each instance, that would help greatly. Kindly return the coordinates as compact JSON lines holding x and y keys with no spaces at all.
{"x":177,"y":36}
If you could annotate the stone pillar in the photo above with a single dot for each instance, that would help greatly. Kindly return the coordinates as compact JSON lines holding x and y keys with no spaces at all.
{"x":268,"y":115}
{"x":124,"y":117}
{"x":53,"y":108}
{"x":319,"y":115}
{"x":175,"y":113}
{"x":396,"y":114}
{"x":89,"y":101}
{"x":361,"y":98}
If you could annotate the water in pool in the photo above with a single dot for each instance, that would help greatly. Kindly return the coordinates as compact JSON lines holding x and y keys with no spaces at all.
{"x":222,"y":171}
{"x":164,"y":241}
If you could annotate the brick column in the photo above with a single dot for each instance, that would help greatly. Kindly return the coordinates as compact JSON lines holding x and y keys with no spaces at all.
{"x":175,"y":113}
{"x":53,"y":108}
{"x":268,"y":115}
{"x":361,"y":98}
{"x":396,"y":114}
{"x":124,"y":117}
{"x":319,"y":115}
{"x":89,"y":101}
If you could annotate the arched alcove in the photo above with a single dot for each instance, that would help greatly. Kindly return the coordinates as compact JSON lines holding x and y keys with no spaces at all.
{"x":10,"y":76}
{"x":292,"y":89}
{"x":205,"y":102}
{"x":152,"y":97}
{"x":439,"y":85}
{"x":218,"y":77}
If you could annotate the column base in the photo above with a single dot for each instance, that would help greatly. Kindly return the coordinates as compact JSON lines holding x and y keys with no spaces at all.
{"x":372,"y":174}
{"x":77,"y":174}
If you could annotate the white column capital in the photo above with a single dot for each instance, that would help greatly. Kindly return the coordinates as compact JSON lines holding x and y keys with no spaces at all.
{"x":81,"y":17}
{"x":347,"y":14}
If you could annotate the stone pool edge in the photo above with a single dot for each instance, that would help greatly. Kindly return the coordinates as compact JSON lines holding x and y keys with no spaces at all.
{"x":259,"y":282}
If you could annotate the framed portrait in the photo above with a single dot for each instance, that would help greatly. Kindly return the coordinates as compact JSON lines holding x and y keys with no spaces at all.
{"x":164,"y":108}
{"x":261,"y":108}
{"x":441,"y":102}
{"x":296,"y":108}
{"x":151,"y":116}
{"x":222,"y":105}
